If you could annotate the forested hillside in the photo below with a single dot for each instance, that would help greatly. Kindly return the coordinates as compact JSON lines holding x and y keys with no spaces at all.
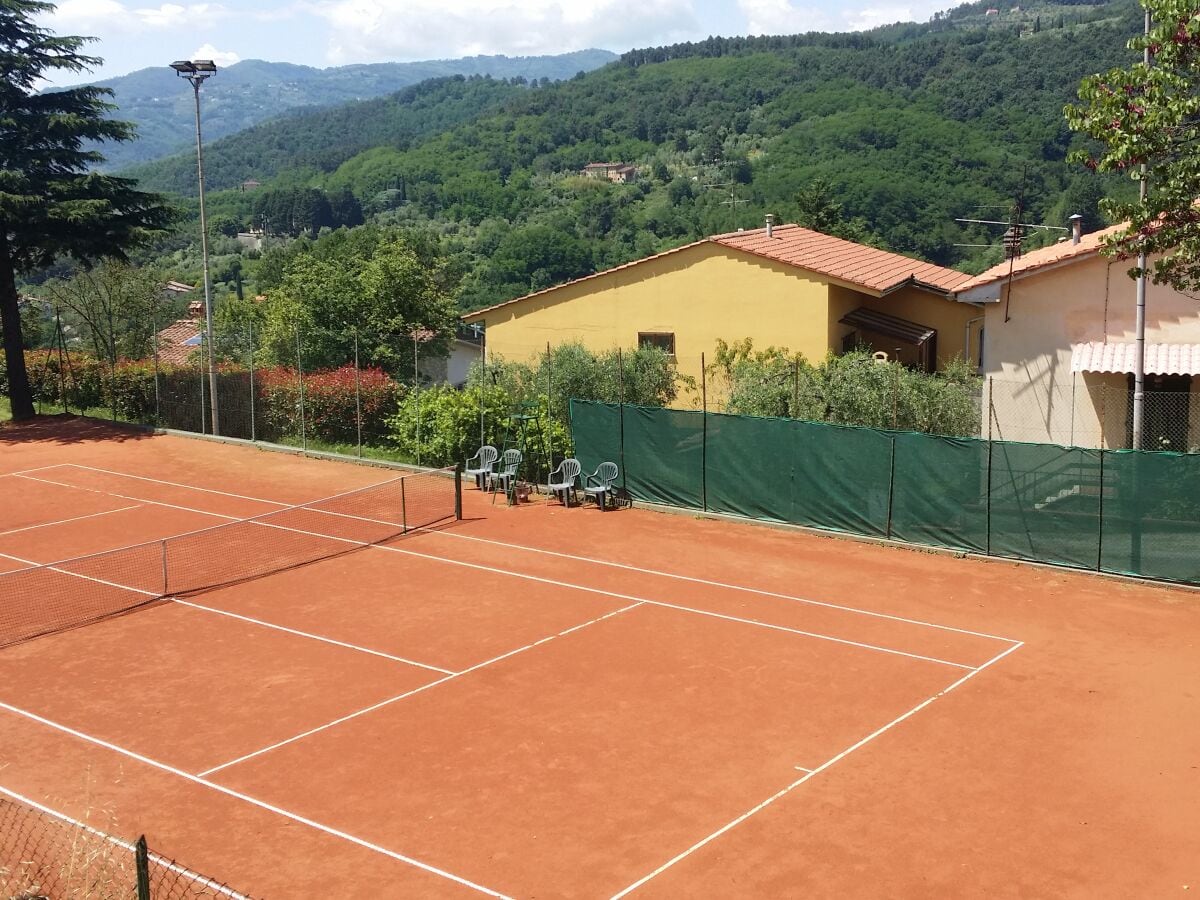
{"x":887,"y":136}
{"x":253,"y":90}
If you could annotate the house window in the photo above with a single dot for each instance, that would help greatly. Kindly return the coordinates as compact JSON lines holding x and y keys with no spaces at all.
{"x":663,"y":340}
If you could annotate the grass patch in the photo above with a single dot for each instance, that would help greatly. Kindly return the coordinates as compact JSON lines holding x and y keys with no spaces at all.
{"x":5,"y":409}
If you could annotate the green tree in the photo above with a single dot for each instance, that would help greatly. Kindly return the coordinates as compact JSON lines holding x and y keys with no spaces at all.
{"x":114,"y":307}
{"x":50,"y":203}
{"x":1146,"y":120}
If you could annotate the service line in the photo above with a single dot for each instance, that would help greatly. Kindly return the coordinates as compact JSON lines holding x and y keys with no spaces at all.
{"x":246,"y":798}
{"x":811,"y":774}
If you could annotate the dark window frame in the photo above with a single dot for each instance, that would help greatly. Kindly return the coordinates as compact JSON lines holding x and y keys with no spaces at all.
{"x":663,"y":340}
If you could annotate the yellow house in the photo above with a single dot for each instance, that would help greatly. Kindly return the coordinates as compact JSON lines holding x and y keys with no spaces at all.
{"x":782,"y":286}
{"x":1058,"y":343}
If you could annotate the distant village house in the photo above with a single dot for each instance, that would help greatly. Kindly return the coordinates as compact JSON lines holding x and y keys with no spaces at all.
{"x":620,"y":173}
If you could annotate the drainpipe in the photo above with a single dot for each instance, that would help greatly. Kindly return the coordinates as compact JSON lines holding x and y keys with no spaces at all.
{"x":967,"y":341}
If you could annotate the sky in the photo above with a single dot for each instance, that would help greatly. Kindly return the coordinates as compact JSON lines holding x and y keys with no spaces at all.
{"x":134,"y":34}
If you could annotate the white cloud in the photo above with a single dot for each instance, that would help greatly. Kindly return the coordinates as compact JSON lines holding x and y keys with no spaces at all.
{"x":363,"y":30}
{"x":221,"y":57}
{"x":787,"y":17}
{"x":114,"y":16}
{"x":888,"y":13}
{"x":783,"y":17}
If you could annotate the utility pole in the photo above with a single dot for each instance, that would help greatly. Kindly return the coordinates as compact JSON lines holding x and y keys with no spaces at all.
{"x":1139,"y":345}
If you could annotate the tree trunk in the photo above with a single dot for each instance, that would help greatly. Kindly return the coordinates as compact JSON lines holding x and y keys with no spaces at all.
{"x":14,"y":351}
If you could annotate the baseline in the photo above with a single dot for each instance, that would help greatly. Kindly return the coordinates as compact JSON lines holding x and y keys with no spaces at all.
{"x":811,"y":774}
{"x":246,"y":798}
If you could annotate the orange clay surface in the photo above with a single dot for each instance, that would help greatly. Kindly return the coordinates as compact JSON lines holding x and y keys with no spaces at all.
{"x":540,"y":702}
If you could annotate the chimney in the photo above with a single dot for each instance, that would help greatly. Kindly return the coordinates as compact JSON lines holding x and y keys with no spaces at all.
{"x":1076,"y":227}
{"x":770,"y":225}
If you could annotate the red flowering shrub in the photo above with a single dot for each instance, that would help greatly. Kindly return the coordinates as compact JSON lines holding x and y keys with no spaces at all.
{"x":329,"y":403}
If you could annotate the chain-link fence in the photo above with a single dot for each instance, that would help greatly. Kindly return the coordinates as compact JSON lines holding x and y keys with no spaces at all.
{"x":309,"y":388}
{"x":1094,"y":414}
{"x":45,"y":855}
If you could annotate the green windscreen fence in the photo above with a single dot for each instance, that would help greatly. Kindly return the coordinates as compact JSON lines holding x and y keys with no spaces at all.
{"x":1120,"y":511}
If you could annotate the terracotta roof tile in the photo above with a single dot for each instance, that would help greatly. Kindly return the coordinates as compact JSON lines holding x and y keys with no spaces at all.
{"x":1088,"y":245}
{"x":172,"y":342}
{"x":859,"y":265}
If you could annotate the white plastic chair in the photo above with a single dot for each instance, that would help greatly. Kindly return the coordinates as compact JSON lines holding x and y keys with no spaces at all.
{"x":483,"y":461}
{"x":564,"y":485}
{"x":599,"y":485}
{"x":506,"y":477}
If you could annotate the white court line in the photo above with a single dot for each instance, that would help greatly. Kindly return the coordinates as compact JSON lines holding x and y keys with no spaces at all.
{"x":72,"y":519}
{"x":675,"y":606}
{"x":578,"y":587}
{"x":77,"y":487}
{"x":38,"y":469}
{"x":190,"y":487}
{"x":315,"y":637}
{"x":424,"y":687}
{"x":821,"y":768}
{"x":602,"y":562}
{"x":54,"y":568}
{"x":207,"y":883}
{"x":246,"y":798}
{"x":719,"y":584}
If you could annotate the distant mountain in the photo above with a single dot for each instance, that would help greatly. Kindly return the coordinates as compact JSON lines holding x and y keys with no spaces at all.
{"x":252,"y":91}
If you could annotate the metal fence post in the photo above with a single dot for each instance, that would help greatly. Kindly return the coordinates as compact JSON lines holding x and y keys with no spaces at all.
{"x":157,"y":398}
{"x":357,"y":394}
{"x":1100,"y":517}
{"x":621,"y":416}
{"x":253,"y":423}
{"x":891,"y":489}
{"x":203,"y":401}
{"x":300,"y":374}
{"x":703,"y":435}
{"x":458,"y":470}
{"x":549,"y":413}
{"x":141,"y":855}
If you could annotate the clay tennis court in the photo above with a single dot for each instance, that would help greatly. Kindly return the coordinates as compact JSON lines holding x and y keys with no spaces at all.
{"x":538,"y":701}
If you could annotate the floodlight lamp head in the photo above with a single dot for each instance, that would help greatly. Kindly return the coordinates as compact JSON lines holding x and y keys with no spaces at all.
{"x":183,"y":67}
{"x":205,"y":65}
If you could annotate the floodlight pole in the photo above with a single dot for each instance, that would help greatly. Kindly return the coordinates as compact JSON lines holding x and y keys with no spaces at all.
{"x":196,"y":72}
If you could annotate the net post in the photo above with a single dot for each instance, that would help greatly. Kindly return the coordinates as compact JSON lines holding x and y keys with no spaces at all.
{"x":403,"y":507}
{"x":458,"y":472}
{"x":165,"y":589}
{"x":141,"y":855}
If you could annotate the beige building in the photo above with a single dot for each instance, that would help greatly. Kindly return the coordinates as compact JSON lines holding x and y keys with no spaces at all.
{"x":1057,"y":340}
{"x":782,"y":286}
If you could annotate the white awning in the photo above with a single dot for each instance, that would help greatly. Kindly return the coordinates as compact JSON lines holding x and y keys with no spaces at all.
{"x":1161,"y":359}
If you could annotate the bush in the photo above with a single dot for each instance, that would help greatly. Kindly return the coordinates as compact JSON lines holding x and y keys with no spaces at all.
{"x":329,"y":404}
{"x":852,"y":389}
{"x":449,"y":428}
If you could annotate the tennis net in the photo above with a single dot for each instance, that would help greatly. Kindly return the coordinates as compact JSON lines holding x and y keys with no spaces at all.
{"x":54,"y":597}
